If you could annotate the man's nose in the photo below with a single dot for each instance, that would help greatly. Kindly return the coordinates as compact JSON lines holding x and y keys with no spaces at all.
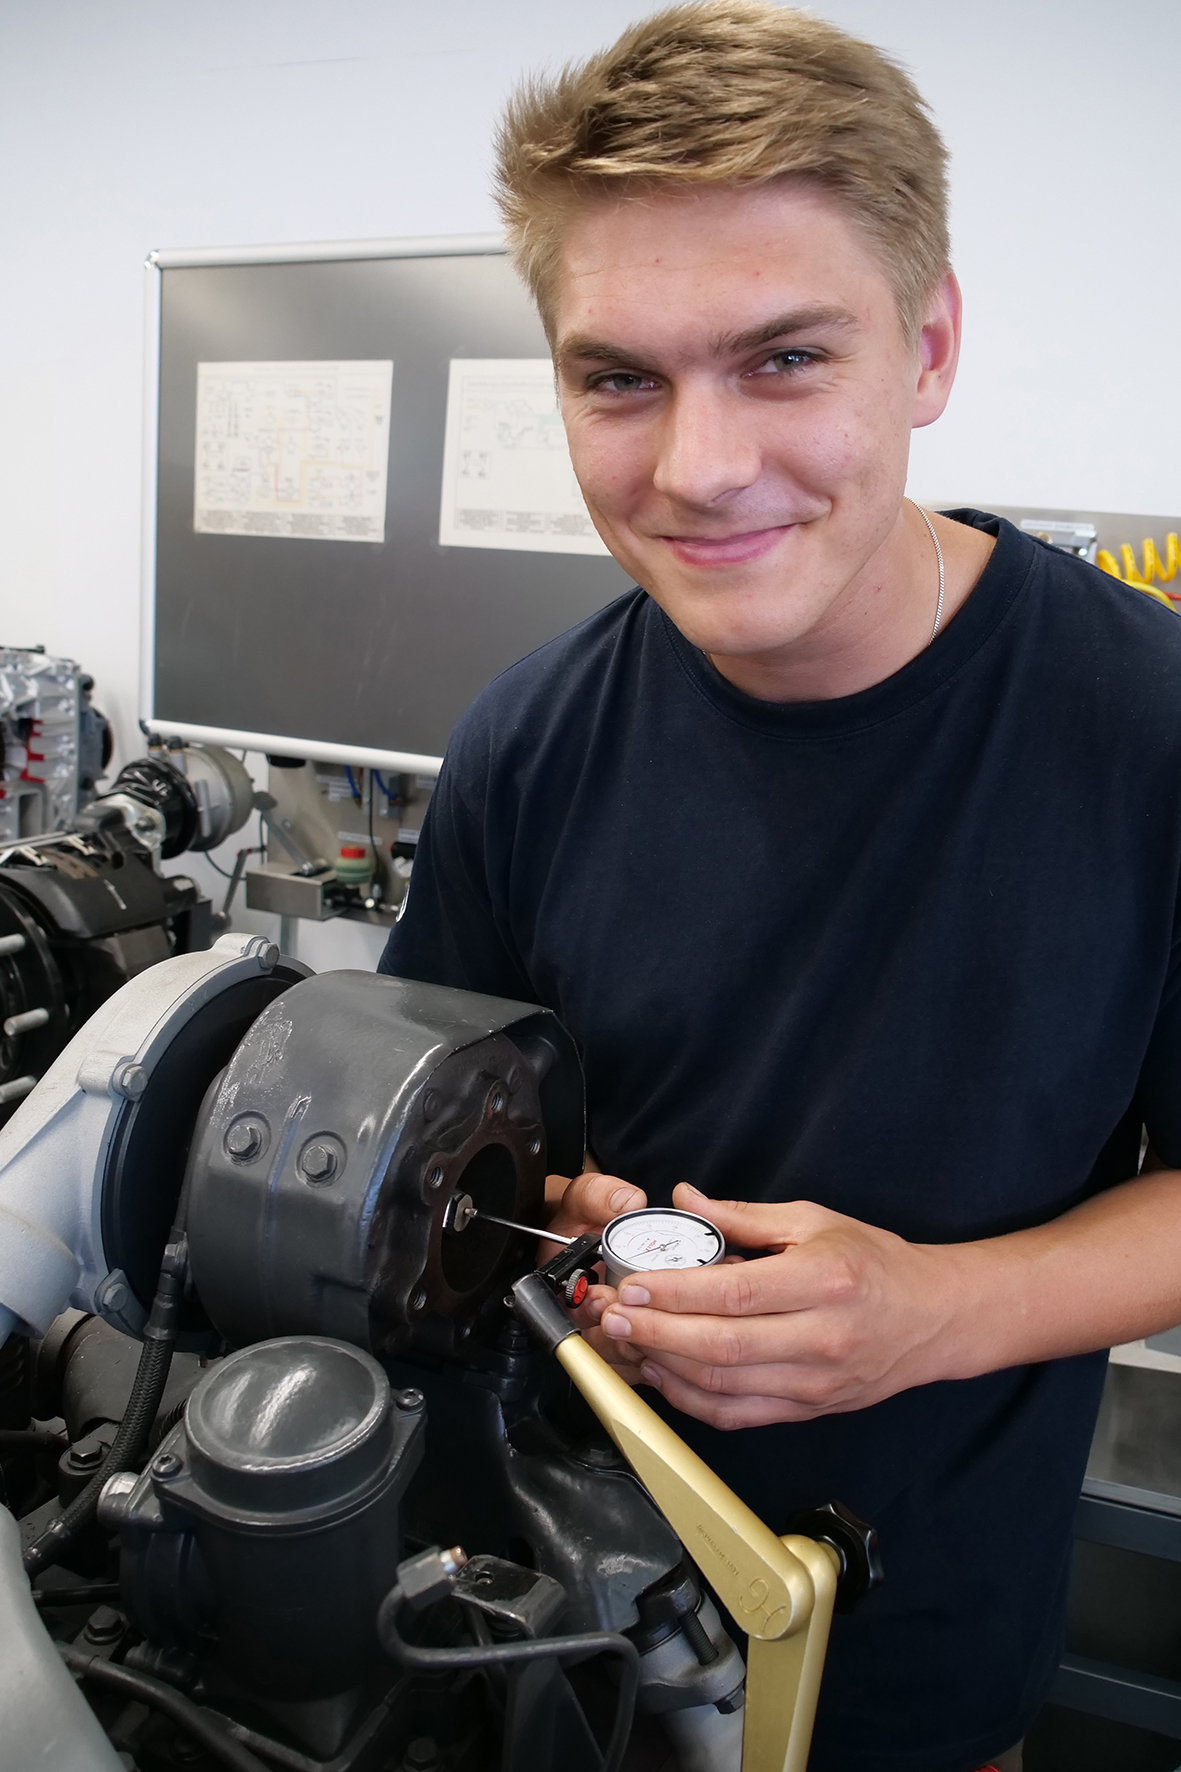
{"x":708,"y":447}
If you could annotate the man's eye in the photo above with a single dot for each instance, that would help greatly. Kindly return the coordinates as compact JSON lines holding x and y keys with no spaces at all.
{"x":787,"y":363}
{"x":622,"y":381}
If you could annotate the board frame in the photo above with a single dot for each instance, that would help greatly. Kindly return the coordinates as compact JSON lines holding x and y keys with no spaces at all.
{"x":274,"y":744}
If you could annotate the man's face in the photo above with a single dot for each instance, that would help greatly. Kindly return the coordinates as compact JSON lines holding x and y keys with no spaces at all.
{"x":739,"y":394}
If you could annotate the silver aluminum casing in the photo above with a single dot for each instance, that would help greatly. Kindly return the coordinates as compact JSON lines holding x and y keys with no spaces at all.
{"x":618,"y":1269}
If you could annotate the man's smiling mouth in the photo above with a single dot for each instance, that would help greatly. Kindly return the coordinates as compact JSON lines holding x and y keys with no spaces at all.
{"x":726,"y":550}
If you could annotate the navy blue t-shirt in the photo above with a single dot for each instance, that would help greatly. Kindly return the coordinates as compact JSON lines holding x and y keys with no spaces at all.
{"x":910,"y":953}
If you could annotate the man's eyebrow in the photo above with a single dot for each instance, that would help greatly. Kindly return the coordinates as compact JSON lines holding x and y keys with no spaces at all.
{"x":784,"y":326}
{"x":583,"y":347}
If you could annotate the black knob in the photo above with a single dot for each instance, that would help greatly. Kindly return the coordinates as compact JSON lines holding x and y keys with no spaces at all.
{"x":854,"y":1542}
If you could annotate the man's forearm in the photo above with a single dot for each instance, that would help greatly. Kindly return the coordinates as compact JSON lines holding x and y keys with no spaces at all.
{"x":1107,"y":1272}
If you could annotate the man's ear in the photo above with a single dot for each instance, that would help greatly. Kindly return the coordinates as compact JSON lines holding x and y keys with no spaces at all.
{"x":938,"y":351}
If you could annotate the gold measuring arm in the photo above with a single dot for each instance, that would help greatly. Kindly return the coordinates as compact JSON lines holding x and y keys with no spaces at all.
{"x":780,"y":1591}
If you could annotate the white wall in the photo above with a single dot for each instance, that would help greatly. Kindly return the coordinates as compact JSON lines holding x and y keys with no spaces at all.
{"x":132,"y":124}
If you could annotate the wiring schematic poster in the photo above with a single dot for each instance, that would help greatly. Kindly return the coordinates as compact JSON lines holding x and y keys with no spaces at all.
{"x":293,"y":449}
{"x":507,"y":478}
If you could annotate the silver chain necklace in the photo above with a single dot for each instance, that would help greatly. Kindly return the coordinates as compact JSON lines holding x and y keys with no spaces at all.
{"x":939,"y":557}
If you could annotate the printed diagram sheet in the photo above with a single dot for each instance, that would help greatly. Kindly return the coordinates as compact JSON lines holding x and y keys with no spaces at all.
{"x":297,"y":449}
{"x":507,"y":478}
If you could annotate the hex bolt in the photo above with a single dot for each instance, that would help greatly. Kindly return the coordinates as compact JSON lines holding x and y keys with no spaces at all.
{"x":243,"y":1141}
{"x":130,"y":1080}
{"x":112,"y":1295}
{"x":422,"y":1755}
{"x":318,"y":1163}
{"x":166,"y":1464}
{"x":103,"y":1626}
{"x":87,"y":1454}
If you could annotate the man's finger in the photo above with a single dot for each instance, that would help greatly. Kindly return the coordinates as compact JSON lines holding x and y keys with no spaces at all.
{"x":592,"y":1307}
{"x":715,"y":1339}
{"x":726,"y":1413}
{"x":813,"y":1275}
{"x":805,"y":1383}
{"x":591,"y":1201}
{"x":621,"y":1358}
{"x":756,"y":1224}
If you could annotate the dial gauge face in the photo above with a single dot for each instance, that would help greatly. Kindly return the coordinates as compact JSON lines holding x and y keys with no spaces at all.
{"x":656,"y":1237}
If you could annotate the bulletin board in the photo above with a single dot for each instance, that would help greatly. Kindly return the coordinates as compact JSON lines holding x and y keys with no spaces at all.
{"x":358,"y":510}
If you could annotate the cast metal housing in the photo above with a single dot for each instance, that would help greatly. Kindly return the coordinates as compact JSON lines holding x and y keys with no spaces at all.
{"x":323,"y":1164}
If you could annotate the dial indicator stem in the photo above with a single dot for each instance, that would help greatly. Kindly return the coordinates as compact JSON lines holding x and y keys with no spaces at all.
{"x":530,"y":1230}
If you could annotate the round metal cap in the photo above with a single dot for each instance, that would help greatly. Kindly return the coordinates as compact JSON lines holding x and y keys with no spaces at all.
{"x":289,"y":1425}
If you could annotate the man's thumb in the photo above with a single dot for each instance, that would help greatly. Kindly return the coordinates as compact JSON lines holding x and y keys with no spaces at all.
{"x":748,"y":1224}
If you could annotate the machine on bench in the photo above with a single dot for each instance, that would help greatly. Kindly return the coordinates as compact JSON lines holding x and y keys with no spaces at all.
{"x":302,"y":1357}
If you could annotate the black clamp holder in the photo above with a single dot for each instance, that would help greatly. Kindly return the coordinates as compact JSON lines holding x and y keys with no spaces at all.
{"x":570,"y":1272}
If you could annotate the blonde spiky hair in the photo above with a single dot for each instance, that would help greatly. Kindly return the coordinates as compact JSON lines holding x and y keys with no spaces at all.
{"x":737,"y":92}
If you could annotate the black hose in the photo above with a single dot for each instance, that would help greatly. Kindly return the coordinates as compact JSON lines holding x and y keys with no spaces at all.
{"x":189,"y":1716}
{"x":594,"y":1642}
{"x":131,"y":1442}
{"x":32,"y":1439}
{"x":97,"y":1594}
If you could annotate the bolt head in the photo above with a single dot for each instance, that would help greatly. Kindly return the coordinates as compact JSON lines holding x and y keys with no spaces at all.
{"x":112,"y":1296}
{"x":104,"y":1626}
{"x":409,"y":1400}
{"x":422,"y":1755}
{"x":131,"y":1080}
{"x":319,"y":1162}
{"x":166,"y":1464}
{"x":244,"y":1140}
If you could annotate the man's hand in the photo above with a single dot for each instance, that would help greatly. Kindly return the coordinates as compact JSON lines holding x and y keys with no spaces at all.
{"x":835,"y":1316}
{"x":589,"y":1203}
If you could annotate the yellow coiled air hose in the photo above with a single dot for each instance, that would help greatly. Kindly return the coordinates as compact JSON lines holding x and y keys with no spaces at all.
{"x":1154,"y":568}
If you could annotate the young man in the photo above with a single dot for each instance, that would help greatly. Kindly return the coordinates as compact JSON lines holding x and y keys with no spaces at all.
{"x":848,"y":848}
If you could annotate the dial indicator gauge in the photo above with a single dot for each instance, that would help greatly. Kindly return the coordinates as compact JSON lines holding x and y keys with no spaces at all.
{"x":658,"y":1237}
